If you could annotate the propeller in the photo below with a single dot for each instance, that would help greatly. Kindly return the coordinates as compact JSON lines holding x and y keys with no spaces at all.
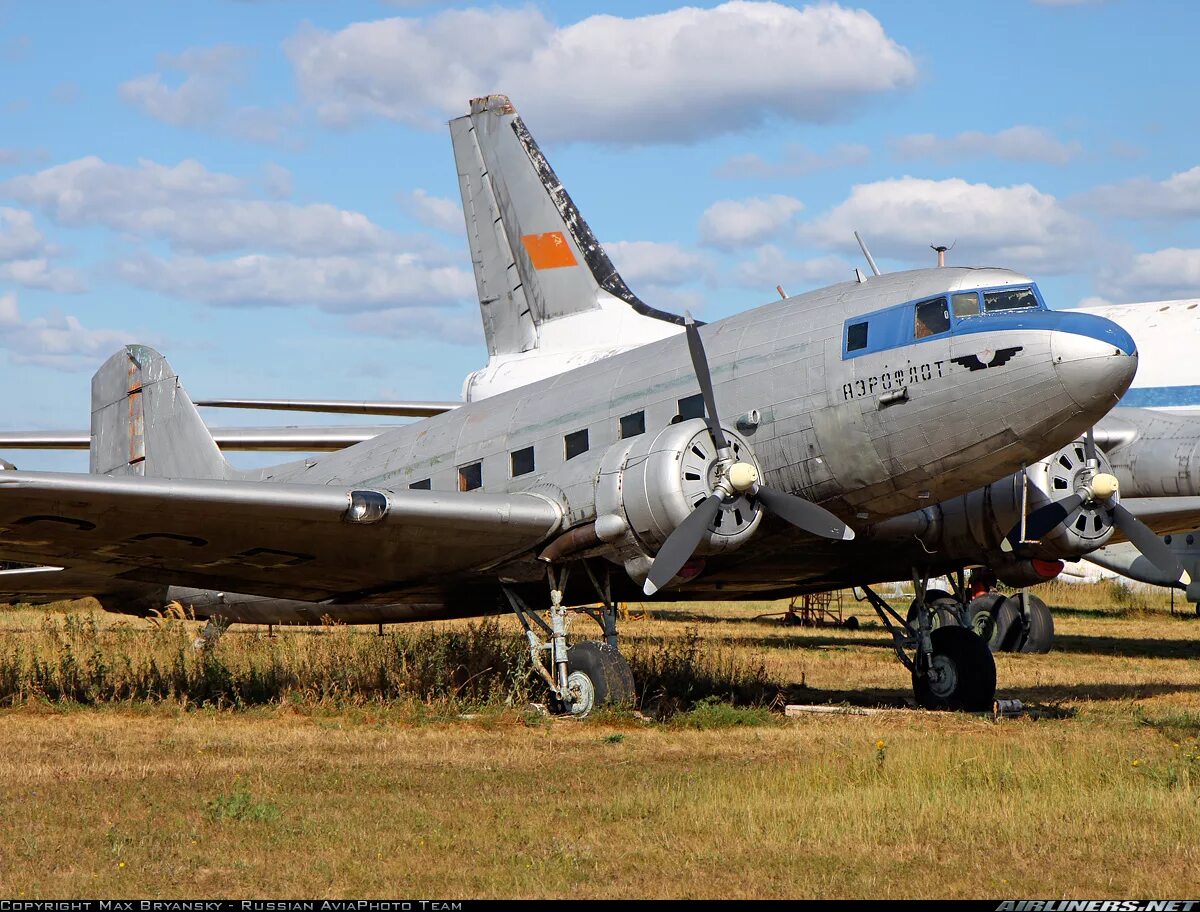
{"x":736,"y":479}
{"x":1101,"y":489}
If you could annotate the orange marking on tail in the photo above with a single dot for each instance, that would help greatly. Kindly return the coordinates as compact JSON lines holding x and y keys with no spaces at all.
{"x":549,"y":250}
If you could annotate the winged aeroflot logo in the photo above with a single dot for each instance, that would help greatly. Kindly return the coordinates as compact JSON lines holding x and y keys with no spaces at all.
{"x":987,"y":358}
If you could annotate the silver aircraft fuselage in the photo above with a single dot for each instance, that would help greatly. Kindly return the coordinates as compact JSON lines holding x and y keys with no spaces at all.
{"x":870,"y":423}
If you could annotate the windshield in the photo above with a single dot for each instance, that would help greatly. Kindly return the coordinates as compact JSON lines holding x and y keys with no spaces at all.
{"x":1010,"y":299}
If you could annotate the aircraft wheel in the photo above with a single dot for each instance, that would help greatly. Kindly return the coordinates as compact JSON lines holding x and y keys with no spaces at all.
{"x":992,"y":616}
{"x":1040,"y":636}
{"x":962,"y":673}
{"x":943,"y":606}
{"x":597,"y":675}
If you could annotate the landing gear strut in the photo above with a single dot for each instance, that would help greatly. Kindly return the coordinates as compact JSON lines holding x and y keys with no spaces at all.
{"x":951,"y":667}
{"x":588,"y":674}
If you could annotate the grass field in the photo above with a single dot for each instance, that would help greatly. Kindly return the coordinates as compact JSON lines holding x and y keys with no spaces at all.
{"x":331,"y":763}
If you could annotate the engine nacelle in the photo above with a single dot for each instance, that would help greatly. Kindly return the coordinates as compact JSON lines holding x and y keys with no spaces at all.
{"x":968,"y":527}
{"x":649,"y":484}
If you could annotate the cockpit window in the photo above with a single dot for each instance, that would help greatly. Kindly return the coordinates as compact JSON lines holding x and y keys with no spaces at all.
{"x":1010,"y":299}
{"x":965,"y":304}
{"x":932,"y":318}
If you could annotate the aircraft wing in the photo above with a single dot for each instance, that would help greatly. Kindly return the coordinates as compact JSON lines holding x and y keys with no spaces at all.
{"x":257,"y":439}
{"x":310,"y":542}
{"x":1165,"y":514}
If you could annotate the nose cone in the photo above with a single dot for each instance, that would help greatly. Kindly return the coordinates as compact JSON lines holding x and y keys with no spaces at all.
{"x":1096,"y":360}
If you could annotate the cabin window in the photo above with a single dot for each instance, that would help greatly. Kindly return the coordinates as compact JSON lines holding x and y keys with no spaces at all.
{"x":470,"y":476}
{"x":424,"y":484}
{"x":691,"y":407}
{"x":522,"y":461}
{"x":575,"y":443}
{"x":965,"y":304}
{"x":632,"y":425}
{"x":931,"y":318}
{"x":856,"y":336}
{"x":1010,"y":299}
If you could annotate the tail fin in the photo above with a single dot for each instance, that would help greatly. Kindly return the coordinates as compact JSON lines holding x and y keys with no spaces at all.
{"x":143,"y":423}
{"x":536,"y":260}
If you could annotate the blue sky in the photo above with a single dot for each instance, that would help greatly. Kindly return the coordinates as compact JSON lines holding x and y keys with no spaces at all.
{"x":265,"y":190}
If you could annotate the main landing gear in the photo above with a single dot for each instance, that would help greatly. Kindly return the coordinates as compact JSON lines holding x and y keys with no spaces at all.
{"x":952,"y":668}
{"x":584,"y":676}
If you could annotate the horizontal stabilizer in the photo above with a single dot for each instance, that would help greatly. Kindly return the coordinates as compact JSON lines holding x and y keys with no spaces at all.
{"x":336,"y":406}
{"x":241,"y":439}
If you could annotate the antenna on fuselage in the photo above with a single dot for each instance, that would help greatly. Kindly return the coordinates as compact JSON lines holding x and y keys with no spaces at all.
{"x":862,"y":245}
{"x":941,"y":251}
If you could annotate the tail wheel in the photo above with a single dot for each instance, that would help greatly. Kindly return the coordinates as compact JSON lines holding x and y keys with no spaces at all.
{"x":962,"y":672}
{"x":597,"y":675}
{"x":992,"y":616}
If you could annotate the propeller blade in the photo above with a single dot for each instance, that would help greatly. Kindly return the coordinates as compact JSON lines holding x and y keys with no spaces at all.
{"x":681,"y":544}
{"x":1089,"y":446}
{"x":804,"y":514}
{"x":1147,"y":541}
{"x":704,"y":378}
{"x":1042,"y":520}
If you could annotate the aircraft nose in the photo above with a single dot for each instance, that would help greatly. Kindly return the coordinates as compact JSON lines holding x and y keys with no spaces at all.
{"x":1095,"y":366}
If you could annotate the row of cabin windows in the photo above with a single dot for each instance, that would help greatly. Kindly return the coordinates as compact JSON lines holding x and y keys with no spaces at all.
{"x":932,"y":317}
{"x":521,"y":462}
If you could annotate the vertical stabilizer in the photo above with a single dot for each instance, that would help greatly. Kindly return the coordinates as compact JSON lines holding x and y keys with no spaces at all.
{"x":544,"y":281}
{"x":144,"y":423}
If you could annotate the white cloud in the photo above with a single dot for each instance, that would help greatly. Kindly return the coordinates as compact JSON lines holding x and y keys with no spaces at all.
{"x":25,"y":256}
{"x":1156,"y":276}
{"x":770,"y":266}
{"x":730,"y":224}
{"x":19,"y":236}
{"x":338,"y":284}
{"x":298,"y":255}
{"x":797,"y":161}
{"x":1176,"y":197}
{"x":58,"y":340}
{"x":40,"y":272}
{"x":192,"y":207}
{"x":655,"y":262}
{"x":433,"y":211}
{"x":1020,"y":143}
{"x":200,"y":100}
{"x":676,"y":76}
{"x":1018,"y":227}
{"x":277,"y":181}
{"x":86,"y":190}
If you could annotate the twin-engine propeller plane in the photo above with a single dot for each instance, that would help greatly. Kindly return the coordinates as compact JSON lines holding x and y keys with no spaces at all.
{"x":850,"y":405}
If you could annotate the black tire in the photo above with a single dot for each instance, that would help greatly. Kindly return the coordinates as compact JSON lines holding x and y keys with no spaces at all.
{"x":1040,"y":635}
{"x":991,"y":616}
{"x":968,"y":673}
{"x":606,"y":670}
{"x":943,"y":606}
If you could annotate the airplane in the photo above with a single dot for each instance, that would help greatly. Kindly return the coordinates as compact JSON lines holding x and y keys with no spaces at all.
{"x":855,"y":404}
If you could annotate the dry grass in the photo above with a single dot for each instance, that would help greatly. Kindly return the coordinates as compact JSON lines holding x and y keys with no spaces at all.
{"x":343,"y":795}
